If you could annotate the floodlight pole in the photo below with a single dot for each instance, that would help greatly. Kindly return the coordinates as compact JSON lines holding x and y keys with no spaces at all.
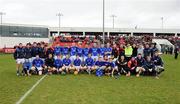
{"x":103,"y":21}
{"x":1,"y":14}
{"x":113,"y":17}
{"x":162,"y":19}
{"x":59,"y":15}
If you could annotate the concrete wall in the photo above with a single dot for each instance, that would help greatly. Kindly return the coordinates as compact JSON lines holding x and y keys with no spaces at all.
{"x":12,"y":41}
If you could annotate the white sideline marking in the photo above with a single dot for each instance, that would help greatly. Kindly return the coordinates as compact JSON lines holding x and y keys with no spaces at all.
{"x":30,"y":90}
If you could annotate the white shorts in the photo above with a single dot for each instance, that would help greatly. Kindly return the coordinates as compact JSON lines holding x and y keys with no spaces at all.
{"x":55,"y":57}
{"x":77,"y":67}
{"x":138,"y":69}
{"x":39,"y":68}
{"x":20,"y":61}
{"x":84,"y":58}
{"x":95,"y":58}
{"x":28,"y":60}
{"x":157,"y":68}
{"x":33,"y":58}
{"x":72,"y":58}
{"x":66,"y":67}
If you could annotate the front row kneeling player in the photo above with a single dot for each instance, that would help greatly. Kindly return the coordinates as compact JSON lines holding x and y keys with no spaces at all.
{"x":37,"y":65}
{"x":58,"y":64}
{"x":76,"y":65}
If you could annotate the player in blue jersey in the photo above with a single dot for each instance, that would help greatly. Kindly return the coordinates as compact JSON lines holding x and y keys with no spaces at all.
{"x":80,"y":51}
{"x":37,"y":65}
{"x":102,"y":50}
{"x":89,"y":63}
{"x":65,"y":51}
{"x":85,"y":52}
{"x":108,"y":50}
{"x":76,"y":65}
{"x":98,"y":63}
{"x":66,"y":63}
{"x":27,"y":67}
{"x":113,"y":68}
{"x":19,"y":56}
{"x":94,"y":51}
{"x":73,"y":52}
{"x":57,"y":51}
{"x":58,"y":64}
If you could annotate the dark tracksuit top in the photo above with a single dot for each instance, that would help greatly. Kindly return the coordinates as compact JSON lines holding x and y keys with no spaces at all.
{"x":19,"y":53}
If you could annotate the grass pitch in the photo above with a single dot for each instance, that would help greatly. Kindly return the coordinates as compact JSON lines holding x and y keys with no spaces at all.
{"x":85,"y":89}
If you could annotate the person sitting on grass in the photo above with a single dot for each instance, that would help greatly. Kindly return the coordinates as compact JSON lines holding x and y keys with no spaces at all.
{"x":58,"y":64}
{"x":112,"y":67}
{"x":159,"y":67}
{"x":150,"y":67}
{"x":49,"y":64}
{"x":37,"y":65}
{"x":27,"y":67}
{"x":89,"y":63}
{"x":132,"y":64}
{"x":122,"y":65}
{"x":66,"y":64}
{"x":140,"y":63}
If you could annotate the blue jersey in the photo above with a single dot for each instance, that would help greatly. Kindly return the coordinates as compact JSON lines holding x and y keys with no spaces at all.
{"x":109,"y":50}
{"x":65,"y":50}
{"x":79,"y":52}
{"x":58,"y":63}
{"x":73,"y":51}
{"x":38,"y":62}
{"x":77,"y":62}
{"x":112,"y":64}
{"x":85,"y":51}
{"x":57,"y":51}
{"x":94,"y":51}
{"x":98,"y":63}
{"x":102,"y":51}
{"x":105,"y":63}
{"x":27,"y":65}
{"x":66,"y":62}
{"x":89,"y":62}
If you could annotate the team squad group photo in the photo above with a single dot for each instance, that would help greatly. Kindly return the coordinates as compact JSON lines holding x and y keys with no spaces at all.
{"x":96,"y":58}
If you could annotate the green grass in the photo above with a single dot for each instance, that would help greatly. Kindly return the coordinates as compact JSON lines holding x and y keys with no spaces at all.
{"x":85,"y":89}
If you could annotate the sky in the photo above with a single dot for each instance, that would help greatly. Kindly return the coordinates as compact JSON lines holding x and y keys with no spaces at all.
{"x":88,"y":13}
